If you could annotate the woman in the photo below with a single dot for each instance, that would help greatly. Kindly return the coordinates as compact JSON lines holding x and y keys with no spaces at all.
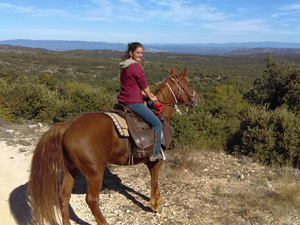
{"x":133,"y":85}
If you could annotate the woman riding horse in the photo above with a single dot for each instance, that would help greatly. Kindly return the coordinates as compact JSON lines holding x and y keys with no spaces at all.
{"x":86,"y":144}
{"x":133,"y":84}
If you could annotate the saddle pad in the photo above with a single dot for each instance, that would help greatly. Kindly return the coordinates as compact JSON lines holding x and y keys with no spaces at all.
{"x":120,"y":124}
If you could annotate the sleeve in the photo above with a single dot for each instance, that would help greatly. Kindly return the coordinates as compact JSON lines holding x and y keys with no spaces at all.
{"x":140,"y":76}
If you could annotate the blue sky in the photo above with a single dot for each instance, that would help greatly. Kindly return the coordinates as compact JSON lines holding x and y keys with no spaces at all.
{"x":151,"y":21}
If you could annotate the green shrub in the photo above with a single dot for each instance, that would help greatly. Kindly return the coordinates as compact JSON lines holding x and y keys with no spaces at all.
{"x":48,"y":80}
{"x":201,"y":130}
{"x":287,"y":125}
{"x":6,"y":114}
{"x":270,"y":137}
{"x":279,"y":85}
{"x":29,"y":100}
{"x":215,"y":130}
{"x":37,"y":99}
{"x":34,"y":101}
{"x":185,"y":129}
{"x":226,"y":100}
{"x":85,"y":98}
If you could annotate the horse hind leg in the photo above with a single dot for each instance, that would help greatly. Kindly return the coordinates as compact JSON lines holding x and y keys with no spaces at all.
{"x":94,"y":184}
{"x":65,"y":193}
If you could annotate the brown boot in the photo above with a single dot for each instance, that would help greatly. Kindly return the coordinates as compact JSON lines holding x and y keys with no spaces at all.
{"x":153,"y":158}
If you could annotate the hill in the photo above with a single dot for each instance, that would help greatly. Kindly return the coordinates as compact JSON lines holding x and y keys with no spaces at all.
{"x":96,"y":67}
{"x":201,"y":49}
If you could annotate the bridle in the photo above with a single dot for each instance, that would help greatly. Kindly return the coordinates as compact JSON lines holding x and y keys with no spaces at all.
{"x":181,"y":89}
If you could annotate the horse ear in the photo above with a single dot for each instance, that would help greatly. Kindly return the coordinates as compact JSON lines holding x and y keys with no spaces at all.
{"x":182,"y":74}
{"x":172,"y":70}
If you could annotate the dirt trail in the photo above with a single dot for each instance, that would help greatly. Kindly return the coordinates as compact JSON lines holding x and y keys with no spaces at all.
{"x":14,"y":172}
{"x":206,"y":188}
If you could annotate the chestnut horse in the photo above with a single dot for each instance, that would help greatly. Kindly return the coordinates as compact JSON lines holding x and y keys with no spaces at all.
{"x":87,"y":143}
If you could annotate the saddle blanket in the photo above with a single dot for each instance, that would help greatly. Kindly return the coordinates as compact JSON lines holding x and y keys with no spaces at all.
{"x":120,"y":124}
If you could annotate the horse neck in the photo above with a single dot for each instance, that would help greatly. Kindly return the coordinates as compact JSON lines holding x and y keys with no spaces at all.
{"x":164,"y":95}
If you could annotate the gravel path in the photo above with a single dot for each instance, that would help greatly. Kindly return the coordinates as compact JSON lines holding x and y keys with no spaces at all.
{"x":14,"y":172}
{"x":200,"y":187}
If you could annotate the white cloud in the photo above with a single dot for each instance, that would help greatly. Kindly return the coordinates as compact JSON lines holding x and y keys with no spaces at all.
{"x":15,"y":8}
{"x":163,"y":11}
{"x":177,"y":11}
{"x":33,"y":11}
{"x":291,"y":7}
{"x":254,"y":25}
{"x":287,"y":10}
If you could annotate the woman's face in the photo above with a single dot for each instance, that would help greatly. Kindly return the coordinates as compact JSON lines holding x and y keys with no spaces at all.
{"x":137,"y":55}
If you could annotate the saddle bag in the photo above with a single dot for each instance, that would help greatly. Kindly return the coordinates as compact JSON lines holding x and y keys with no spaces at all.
{"x":143,"y":137}
{"x":166,"y":131}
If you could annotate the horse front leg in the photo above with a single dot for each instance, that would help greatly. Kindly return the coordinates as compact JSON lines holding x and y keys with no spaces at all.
{"x":155,"y":194}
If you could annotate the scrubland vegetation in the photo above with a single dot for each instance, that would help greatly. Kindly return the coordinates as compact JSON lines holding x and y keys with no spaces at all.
{"x":249,"y":104}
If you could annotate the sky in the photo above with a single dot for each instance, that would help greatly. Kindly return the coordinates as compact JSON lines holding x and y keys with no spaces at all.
{"x":151,"y":21}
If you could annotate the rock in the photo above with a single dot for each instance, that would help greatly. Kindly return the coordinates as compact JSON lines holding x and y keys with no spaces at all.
{"x":33,"y":127}
{"x":245,"y":159}
{"x":269,"y":185}
{"x":9,"y":131}
{"x":241,"y":176}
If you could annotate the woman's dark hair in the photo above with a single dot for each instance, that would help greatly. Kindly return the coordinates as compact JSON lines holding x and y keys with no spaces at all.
{"x":131,"y":48}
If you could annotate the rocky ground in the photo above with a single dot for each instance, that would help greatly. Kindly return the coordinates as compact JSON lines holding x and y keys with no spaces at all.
{"x":198,"y":187}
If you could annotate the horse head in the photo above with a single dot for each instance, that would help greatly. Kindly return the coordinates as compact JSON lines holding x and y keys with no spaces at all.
{"x":176,"y":89}
{"x":182,"y":89}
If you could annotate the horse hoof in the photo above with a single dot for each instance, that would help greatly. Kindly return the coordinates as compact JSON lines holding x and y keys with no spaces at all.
{"x":159,"y":211}
{"x":155,"y":207}
{"x":159,"y":200}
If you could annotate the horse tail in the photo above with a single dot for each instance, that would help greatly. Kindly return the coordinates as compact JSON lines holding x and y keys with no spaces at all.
{"x":45,"y":175}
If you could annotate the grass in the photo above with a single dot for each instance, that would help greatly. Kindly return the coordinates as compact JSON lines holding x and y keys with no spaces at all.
{"x":289,"y":189}
{"x":265,"y":195}
{"x":181,"y":158}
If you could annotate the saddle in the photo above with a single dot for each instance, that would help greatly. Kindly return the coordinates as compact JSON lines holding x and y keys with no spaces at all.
{"x":141,"y":136}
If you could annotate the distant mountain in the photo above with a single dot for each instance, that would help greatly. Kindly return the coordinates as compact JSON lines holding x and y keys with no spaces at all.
{"x":65,"y":45}
{"x":245,"y":48}
{"x":276,"y":51}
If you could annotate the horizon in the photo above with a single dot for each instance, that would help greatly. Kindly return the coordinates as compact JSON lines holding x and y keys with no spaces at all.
{"x":156,"y":43}
{"x":152,"y":22}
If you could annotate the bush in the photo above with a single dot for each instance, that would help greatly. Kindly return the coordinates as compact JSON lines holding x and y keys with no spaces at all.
{"x":270,"y":137}
{"x":279,"y":85}
{"x":48,"y":80}
{"x":85,"y":98}
{"x":185,"y":130}
{"x":201,"y":130}
{"x":226,"y":100}
{"x":215,"y":130}
{"x":29,"y":100}
{"x":37,"y":99}
{"x":6,"y":114}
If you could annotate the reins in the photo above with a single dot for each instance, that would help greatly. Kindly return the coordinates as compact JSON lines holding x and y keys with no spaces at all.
{"x":176,"y":101}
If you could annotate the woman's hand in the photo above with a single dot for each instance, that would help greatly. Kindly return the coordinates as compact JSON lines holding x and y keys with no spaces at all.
{"x":153,"y":97}
{"x":149,"y":94}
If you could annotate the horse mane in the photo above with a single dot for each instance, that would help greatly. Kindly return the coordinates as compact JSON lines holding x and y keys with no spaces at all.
{"x":173,"y":75}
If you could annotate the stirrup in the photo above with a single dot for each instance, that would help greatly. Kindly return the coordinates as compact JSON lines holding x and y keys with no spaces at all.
{"x":153,"y":158}
{"x":163,"y":154}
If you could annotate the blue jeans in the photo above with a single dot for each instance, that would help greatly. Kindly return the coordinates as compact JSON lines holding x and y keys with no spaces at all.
{"x":144,"y":112}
